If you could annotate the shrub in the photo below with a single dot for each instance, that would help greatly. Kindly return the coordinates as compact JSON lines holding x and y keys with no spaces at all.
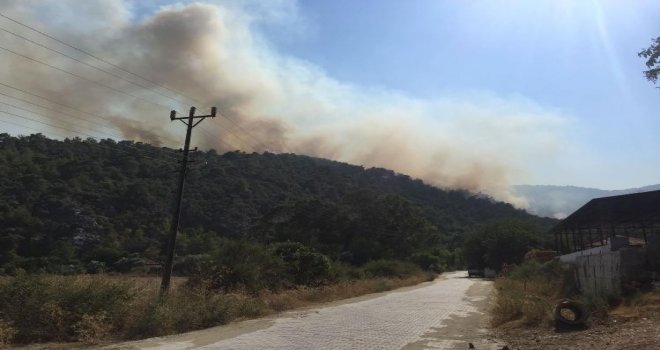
{"x":183,"y":309}
{"x":536,"y":311}
{"x":390,"y":268}
{"x":45,"y":308}
{"x":600,"y":305}
{"x":305,"y":265}
{"x":95,"y":267}
{"x":7,"y":333}
{"x":428,"y":261}
{"x":498,"y":242}
{"x":526,"y":271}
{"x":507,"y":308}
{"x":241,"y":265}
{"x":529,"y":293}
{"x":92,"y":328}
{"x":130,"y":264}
{"x":42,"y":308}
{"x":342,"y":271}
{"x":189,"y":264}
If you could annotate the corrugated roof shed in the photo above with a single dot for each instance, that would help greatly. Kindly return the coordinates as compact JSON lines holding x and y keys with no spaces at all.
{"x":637,"y":208}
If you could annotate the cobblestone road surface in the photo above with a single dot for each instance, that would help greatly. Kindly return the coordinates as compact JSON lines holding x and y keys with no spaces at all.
{"x":444,"y":314}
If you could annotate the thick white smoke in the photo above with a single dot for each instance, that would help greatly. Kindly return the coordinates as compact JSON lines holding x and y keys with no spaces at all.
{"x":213,"y":53}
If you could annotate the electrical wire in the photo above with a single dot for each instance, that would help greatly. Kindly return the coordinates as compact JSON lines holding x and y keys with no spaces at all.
{"x":55,"y":102}
{"x":171,"y":156}
{"x":84,"y":78}
{"x":95,"y":144}
{"x":92,"y":55}
{"x":54,"y":110}
{"x":92,"y":66}
{"x":68,"y":115}
{"x":257,"y":140}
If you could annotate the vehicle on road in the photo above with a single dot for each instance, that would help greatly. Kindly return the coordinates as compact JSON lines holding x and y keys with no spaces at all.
{"x":475,"y":272}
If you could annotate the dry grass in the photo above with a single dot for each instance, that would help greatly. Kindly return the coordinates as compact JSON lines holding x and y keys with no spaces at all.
{"x":294,"y":298}
{"x":530,"y":302}
{"x":7,"y":333}
{"x":529,"y":298}
{"x":638,"y":305}
{"x":91,"y":309}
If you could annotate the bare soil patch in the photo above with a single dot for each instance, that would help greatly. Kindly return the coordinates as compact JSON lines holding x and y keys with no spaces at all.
{"x":625,"y":328}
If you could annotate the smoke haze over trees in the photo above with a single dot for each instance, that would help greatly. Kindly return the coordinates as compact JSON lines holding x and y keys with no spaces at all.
{"x":214,"y":54}
{"x":85,"y":205}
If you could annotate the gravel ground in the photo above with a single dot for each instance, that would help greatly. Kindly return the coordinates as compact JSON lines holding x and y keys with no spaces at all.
{"x":447,"y":313}
{"x":613,"y":333}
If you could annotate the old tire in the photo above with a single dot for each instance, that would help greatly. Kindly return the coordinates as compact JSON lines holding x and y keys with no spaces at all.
{"x":579,"y":310}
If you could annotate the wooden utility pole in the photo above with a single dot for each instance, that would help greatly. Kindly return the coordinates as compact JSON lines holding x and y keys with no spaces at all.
{"x":190,"y":124}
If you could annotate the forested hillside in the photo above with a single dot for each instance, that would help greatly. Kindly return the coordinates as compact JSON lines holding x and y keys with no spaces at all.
{"x":87,"y":205}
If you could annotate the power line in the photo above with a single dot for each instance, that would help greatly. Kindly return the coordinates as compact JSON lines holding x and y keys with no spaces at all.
{"x":98,"y":145}
{"x":104,"y":118}
{"x":63,"y":128}
{"x":92,"y":66}
{"x":82,"y":119}
{"x":117,"y":67}
{"x":52,"y":109}
{"x":243,"y":142}
{"x":55,"y":102}
{"x":89,"y":65}
{"x":245,"y":131}
{"x":67,"y":115}
{"x":84,"y":78}
{"x":29,"y":111}
{"x":47,"y":124}
{"x":92,"y":55}
{"x":230,"y":146}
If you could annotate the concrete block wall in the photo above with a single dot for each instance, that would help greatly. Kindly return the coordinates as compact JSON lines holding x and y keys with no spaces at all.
{"x":599,"y":274}
{"x":653,"y":252}
{"x":571,"y":257}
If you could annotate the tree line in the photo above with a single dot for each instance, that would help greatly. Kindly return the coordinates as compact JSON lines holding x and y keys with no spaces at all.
{"x":82,"y":205}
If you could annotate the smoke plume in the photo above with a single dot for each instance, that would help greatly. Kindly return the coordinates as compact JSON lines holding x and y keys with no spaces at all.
{"x":213,"y":56}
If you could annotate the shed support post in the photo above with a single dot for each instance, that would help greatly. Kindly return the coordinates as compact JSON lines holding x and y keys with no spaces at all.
{"x":644,"y":233}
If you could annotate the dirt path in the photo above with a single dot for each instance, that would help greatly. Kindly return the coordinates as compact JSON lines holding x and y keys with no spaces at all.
{"x":447,"y":313}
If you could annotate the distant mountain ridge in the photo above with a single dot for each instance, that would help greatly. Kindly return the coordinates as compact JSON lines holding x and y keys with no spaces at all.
{"x":561,"y":201}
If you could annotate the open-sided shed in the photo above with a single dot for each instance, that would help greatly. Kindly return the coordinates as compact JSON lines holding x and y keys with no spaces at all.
{"x":614,"y":242}
{"x":633,"y":216}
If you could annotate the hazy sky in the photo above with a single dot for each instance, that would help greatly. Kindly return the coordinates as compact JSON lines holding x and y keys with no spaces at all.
{"x":473,"y":94}
{"x":577,"y":57}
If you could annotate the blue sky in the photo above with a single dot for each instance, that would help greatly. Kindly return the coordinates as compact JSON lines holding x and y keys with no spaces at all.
{"x":472,"y":94}
{"x":575,"y":56}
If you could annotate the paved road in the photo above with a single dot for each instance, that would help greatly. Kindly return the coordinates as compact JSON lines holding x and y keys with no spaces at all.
{"x":444,"y":314}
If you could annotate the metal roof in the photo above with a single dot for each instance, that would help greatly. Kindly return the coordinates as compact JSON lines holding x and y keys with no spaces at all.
{"x":638,"y":208}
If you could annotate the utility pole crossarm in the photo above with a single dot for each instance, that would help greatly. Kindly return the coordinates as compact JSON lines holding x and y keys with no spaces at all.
{"x":190,"y":124}
{"x":192,"y":114}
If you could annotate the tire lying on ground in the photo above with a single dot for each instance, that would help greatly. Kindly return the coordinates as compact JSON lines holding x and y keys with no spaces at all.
{"x":571,"y":312}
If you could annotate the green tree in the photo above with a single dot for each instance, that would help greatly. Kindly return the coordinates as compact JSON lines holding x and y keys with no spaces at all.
{"x":652,"y":56}
{"x":499,"y":242}
{"x":305,"y":265}
{"x":243,"y":265}
{"x":95,"y":203}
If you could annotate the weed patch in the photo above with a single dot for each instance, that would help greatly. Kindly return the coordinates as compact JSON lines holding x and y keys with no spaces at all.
{"x":91,"y":309}
{"x":7,"y":333}
{"x":529,"y":293}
